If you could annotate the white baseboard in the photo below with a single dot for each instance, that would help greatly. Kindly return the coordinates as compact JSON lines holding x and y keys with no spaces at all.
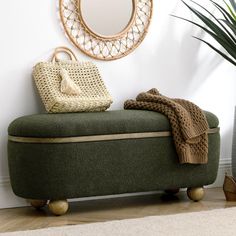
{"x":225,"y":166}
{"x":9,"y":200}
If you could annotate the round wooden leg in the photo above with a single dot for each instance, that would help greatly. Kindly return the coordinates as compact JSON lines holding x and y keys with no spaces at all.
{"x":58,"y":207}
{"x":195,"y":194}
{"x":172,"y":191}
{"x":38,"y":203}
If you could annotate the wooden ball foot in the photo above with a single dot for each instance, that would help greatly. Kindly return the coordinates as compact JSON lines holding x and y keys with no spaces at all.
{"x":195,"y":194}
{"x":38,"y":203}
{"x":58,"y":207}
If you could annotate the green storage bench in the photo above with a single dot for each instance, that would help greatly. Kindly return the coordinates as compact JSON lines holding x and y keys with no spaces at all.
{"x":62,"y":156}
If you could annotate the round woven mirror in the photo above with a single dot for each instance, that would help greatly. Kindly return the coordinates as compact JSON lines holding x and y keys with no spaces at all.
{"x":106,"y":29}
{"x":107,"y":18}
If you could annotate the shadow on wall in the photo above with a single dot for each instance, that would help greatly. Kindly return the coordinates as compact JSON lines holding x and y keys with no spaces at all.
{"x":175,"y":52}
{"x":37,"y":100}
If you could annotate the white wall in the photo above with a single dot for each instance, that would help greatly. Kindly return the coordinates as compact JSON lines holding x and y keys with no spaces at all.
{"x":168,"y":59}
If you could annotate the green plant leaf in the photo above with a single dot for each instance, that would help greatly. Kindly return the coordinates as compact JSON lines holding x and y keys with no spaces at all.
{"x":233,"y":4}
{"x":230,"y":48}
{"x":218,"y":51}
{"x":223,"y":10}
{"x":230,"y":10}
{"x":224,"y":13}
{"x":232,"y":27}
{"x":222,"y":30}
{"x":213,"y":26}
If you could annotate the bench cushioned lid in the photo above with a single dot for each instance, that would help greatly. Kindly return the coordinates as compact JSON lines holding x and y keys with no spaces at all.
{"x":94,"y":123}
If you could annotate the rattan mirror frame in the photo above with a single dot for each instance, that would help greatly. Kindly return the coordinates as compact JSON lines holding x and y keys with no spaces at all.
{"x":105,"y":47}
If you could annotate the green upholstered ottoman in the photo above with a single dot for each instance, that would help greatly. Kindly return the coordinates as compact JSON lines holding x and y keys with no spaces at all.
{"x":60,"y":156}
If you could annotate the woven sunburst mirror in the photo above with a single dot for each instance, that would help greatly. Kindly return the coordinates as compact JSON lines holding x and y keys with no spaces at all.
{"x":102,"y":46}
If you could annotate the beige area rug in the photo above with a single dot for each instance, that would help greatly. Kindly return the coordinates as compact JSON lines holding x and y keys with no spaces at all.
{"x":216,"y":222}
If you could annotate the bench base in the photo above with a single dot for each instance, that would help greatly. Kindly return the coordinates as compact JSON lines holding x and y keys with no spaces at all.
{"x":60,"y":207}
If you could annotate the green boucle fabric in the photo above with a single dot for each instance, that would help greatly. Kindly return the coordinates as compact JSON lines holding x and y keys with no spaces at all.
{"x":72,"y":170}
{"x":80,"y":124}
{"x":58,"y":171}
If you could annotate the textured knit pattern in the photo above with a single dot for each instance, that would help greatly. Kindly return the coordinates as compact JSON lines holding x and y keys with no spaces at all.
{"x":188,"y":123}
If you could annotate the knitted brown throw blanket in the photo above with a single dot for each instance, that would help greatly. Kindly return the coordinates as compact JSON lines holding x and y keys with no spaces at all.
{"x":188,"y":123}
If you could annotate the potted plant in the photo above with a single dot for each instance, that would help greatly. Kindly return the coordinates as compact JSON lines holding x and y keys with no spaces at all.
{"x":223,"y":30}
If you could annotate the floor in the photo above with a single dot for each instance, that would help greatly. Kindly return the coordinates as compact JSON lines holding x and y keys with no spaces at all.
{"x":111,"y":209}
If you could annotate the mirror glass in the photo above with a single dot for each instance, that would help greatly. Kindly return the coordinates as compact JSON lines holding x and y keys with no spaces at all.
{"x":106,"y":17}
